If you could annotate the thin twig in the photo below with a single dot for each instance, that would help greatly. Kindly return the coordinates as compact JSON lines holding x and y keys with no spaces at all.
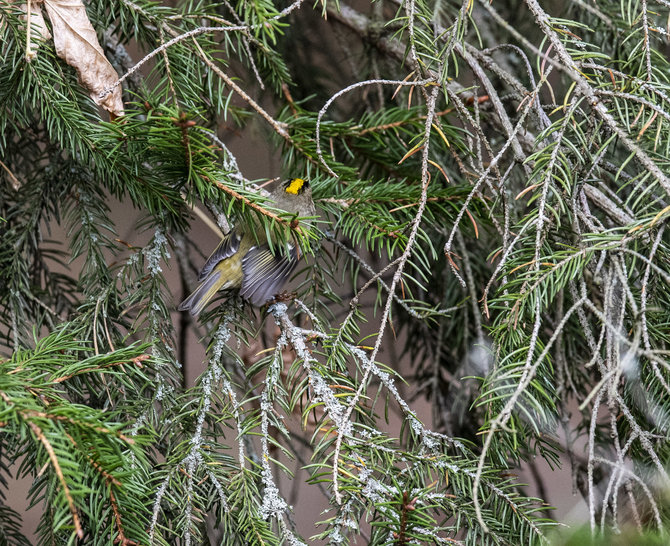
{"x":430,"y":109}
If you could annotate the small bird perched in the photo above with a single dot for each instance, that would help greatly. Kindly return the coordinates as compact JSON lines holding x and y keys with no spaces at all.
{"x":240,"y":262}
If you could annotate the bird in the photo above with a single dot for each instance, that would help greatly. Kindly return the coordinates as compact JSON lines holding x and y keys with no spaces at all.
{"x":243,"y":261}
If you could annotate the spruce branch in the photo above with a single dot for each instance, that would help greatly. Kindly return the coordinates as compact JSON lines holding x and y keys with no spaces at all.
{"x":61,"y":478}
{"x":492,"y":190}
{"x":324,"y":108}
{"x":589,"y":93}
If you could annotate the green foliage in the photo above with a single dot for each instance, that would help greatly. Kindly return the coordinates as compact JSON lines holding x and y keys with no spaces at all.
{"x":492,"y":189}
{"x":55,"y":420}
{"x":627,"y":537}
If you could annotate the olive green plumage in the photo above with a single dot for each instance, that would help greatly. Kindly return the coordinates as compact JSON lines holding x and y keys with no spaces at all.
{"x":240,"y":262}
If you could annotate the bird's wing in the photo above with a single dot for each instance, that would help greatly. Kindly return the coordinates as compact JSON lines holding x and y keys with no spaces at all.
{"x":227,"y":247}
{"x":264,"y":273}
{"x":201,"y":296}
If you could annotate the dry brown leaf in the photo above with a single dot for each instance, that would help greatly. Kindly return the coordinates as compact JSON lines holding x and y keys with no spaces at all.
{"x":77,"y":43}
{"x":36,"y":28}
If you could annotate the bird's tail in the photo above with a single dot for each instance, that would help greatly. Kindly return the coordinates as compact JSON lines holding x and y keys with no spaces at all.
{"x":202,"y":295}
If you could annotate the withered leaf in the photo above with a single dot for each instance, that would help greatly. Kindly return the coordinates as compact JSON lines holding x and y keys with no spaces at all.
{"x":35,"y":27}
{"x":77,"y":43}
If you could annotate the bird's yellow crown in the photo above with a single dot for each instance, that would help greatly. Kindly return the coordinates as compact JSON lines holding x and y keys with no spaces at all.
{"x":296,"y":186}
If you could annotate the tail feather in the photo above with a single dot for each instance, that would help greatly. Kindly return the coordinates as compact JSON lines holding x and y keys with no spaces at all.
{"x":202,"y":295}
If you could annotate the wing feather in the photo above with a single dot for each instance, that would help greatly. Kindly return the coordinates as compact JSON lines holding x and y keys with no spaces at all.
{"x":264,"y":273}
{"x":202,"y":295}
{"x":228,"y":246}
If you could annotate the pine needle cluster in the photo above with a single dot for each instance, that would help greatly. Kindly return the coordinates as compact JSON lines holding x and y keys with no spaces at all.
{"x":493,"y":188}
